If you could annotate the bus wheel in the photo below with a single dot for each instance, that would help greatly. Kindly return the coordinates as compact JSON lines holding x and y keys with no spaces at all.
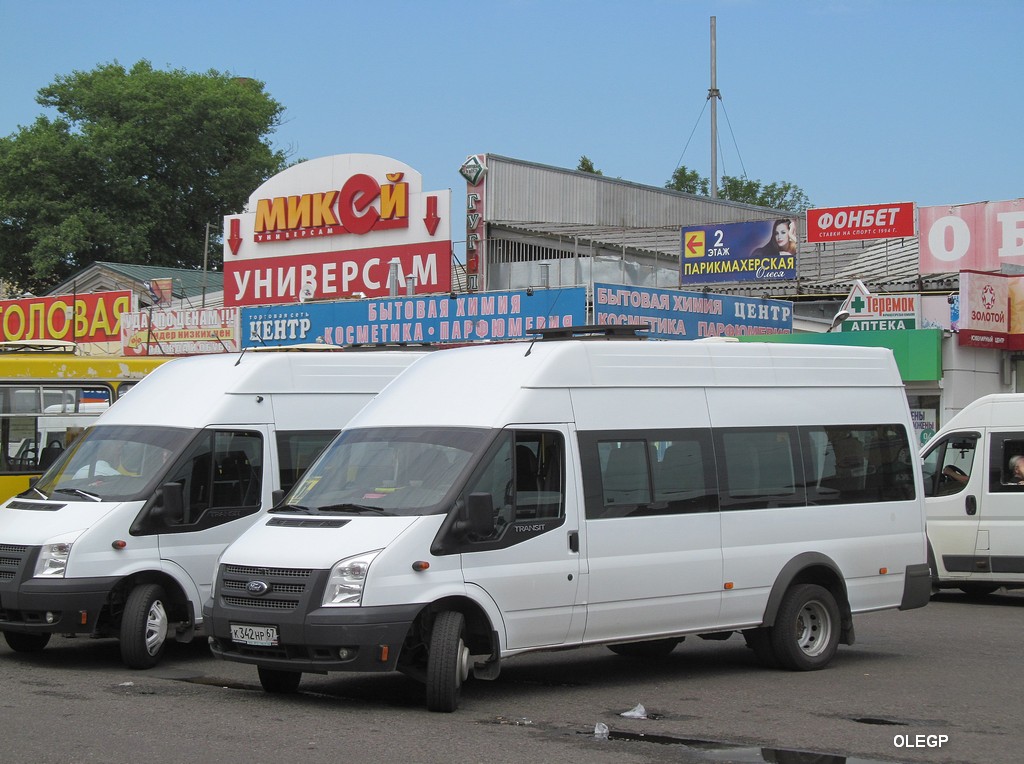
{"x":144,"y":626}
{"x":655,"y":648}
{"x":26,"y":643}
{"x":447,"y":662}
{"x":806,"y":631}
{"x":279,"y":682}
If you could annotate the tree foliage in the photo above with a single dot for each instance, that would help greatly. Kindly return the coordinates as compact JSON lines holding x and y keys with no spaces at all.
{"x":586,"y":165}
{"x":132,"y":169}
{"x":778,"y":196}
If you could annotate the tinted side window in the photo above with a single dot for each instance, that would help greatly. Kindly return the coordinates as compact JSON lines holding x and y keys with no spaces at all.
{"x":861,"y":463}
{"x":759,"y":467}
{"x":655,"y":473}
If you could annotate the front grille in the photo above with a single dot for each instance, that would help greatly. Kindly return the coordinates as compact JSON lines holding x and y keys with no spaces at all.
{"x":279,"y":589}
{"x":239,"y":586}
{"x":243,"y":570}
{"x":13,"y":557}
{"x":260,"y":604}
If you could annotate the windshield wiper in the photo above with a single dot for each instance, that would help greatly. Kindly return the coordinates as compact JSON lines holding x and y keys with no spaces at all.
{"x":80,"y":492}
{"x":354,"y":508}
{"x":292,"y":508}
{"x":33,"y":488}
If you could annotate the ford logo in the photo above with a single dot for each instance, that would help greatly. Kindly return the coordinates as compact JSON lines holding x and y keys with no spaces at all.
{"x":257,"y":588}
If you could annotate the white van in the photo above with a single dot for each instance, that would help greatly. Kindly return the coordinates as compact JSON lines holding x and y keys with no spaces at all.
{"x":501,"y":499}
{"x":121,"y":535}
{"x":974,"y":497}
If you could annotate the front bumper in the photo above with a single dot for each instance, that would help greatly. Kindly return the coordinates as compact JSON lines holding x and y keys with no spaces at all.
{"x":54,"y":606}
{"x":372,"y":638}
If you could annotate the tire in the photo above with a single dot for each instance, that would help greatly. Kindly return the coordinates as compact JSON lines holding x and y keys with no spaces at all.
{"x":806,"y":631}
{"x":26,"y":643}
{"x":279,"y":682}
{"x":655,"y":648}
{"x":977,"y":590}
{"x":760,"y":641}
{"x":144,"y":627}
{"x":447,"y":662}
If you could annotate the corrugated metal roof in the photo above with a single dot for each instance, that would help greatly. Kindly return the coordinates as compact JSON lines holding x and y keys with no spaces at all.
{"x":190,"y":287}
{"x":829,"y":269}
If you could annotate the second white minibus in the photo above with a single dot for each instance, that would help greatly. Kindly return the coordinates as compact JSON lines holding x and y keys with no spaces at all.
{"x":502,"y":499}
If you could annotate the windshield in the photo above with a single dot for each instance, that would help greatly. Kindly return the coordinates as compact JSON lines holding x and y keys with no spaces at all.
{"x":395,"y":471}
{"x":118,"y":463}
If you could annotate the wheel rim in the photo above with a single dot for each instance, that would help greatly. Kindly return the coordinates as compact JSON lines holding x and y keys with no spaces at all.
{"x":813,"y":629}
{"x":156,"y":627}
{"x":462,"y":664}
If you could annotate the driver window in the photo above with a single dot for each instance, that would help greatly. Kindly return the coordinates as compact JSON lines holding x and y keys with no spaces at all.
{"x":222,"y":470}
{"x":947,"y":467}
{"x":525,"y":478}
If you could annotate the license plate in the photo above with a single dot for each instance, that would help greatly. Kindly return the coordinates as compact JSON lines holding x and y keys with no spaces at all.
{"x":249,"y":634}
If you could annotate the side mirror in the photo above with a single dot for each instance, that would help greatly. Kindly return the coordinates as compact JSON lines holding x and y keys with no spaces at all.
{"x":170,"y":507}
{"x":477,"y":515}
{"x":276,"y":497}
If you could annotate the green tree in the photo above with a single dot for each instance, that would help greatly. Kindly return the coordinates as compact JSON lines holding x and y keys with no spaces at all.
{"x":689,"y":181}
{"x":586,"y":165}
{"x":778,"y":196}
{"x":134,"y":166}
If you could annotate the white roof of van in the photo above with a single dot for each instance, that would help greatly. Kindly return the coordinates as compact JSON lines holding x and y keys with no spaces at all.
{"x":186,"y":391}
{"x":455,"y":383}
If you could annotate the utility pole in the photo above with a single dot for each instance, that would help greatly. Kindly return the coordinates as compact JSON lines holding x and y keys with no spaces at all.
{"x":713,"y":96}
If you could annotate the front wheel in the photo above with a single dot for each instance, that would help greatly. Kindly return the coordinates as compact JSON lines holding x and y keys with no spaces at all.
{"x":447,"y":662}
{"x":279,"y":682}
{"x":26,"y":643}
{"x":806,"y":631}
{"x":144,"y":627}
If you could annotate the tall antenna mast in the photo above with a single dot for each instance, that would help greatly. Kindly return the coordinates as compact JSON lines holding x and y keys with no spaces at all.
{"x":713,"y":96}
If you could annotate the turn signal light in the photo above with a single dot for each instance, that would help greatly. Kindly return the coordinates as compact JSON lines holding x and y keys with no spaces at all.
{"x":882,"y":571}
{"x":420,"y":565}
{"x":119,"y":544}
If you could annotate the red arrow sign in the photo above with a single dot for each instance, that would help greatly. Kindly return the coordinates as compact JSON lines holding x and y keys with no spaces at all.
{"x":235,"y":239}
{"x":694,"y":243}
{"x":431,"y":221}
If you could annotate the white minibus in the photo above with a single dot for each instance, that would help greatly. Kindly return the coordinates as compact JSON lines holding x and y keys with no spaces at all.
{"x":974,"y":489}
{"x":120,"y":536}
{"x":502,"y":499}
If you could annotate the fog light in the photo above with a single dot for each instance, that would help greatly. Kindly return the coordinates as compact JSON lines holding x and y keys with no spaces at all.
{"x":50,"y":617}
{"x":346,"y":653}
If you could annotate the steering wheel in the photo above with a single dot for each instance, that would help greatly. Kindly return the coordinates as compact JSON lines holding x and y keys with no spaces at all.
{"x":955,"y":470}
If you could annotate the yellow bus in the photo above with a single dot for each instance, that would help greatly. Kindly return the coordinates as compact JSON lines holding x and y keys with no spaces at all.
{"x":47,"y":396}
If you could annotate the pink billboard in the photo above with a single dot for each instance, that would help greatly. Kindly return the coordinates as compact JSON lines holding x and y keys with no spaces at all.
{"x":981,"y":236}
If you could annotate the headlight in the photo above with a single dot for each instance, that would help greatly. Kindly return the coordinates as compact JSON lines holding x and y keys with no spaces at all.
{"x":53,"y":561}
{"x":345,"y":584}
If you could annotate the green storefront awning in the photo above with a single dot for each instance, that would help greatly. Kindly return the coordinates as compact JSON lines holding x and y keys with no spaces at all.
{"x":918,"y":352}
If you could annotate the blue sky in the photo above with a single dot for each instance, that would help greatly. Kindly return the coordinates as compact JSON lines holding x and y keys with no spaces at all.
{"x":855,"y":101}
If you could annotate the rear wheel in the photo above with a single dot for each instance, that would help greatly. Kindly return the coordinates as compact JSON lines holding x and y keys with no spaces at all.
{"x":144,"y":627}
{"x":447,"y":662}
{"x":806,"y":631}
{"x":26,"y":643}
{"x":279,"y":682}
{"x":655,"y":648}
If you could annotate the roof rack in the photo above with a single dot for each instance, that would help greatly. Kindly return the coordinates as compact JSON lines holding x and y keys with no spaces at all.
{"x":595,"y":332}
